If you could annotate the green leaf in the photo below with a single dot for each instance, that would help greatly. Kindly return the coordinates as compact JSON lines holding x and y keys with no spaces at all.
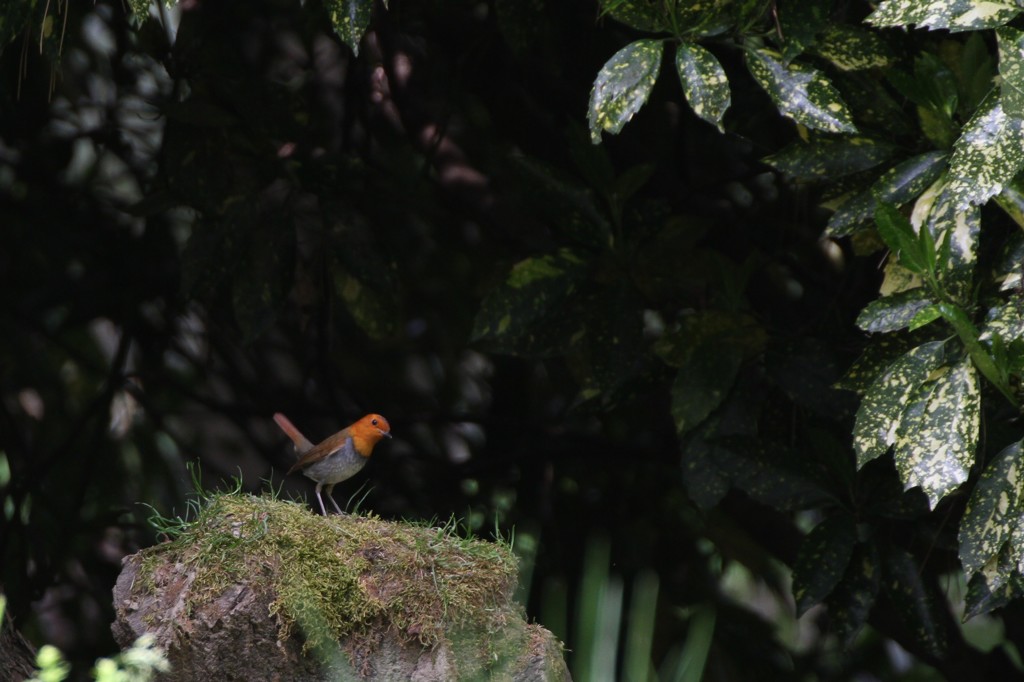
{"x":954,"y":15}
{"x":957,"y":230}
{"x":925,"y":317}
{"x":890,"y":313}
{"x":916,"y":601}
{"x":830,"y":157}
{"x":703,"y":383}
{"x":850,"y":603}
{"x":901,"y":238}
{"x":994,"y":586}
{"x":801,"y":92}
{"x":1005,"y":321}
{"x":704,"y":83}
{"x":822,"y":560}
{"x":875,"y":359}
{"x":881,"y":409}
{"x":992,"y":519}
{"x":605,"y":353}
{"x":350,"y":19}
{"x":569,"y":208}
{"x":938,"y":432}
{"x":1011,"y":70}
{"x":623,"y":85}
{"x":898,"y":185}
{"x":800,"y":22}
{"x":852,"y":48}
{"x":514,"y":315}
{"x":643,"y":15}
{"x":988,"y":154}
{"x":711,"y":327}
{"x":365,"y":280}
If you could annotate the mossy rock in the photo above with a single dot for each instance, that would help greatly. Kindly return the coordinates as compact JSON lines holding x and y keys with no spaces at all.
{"x":261,"y":589}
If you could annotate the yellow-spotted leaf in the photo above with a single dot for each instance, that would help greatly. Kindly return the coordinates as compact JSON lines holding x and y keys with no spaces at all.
{"x":881,"y":409}
{"x":350,"y":19}
{"x":822,"y":560}
{"x":898,"y":185}
{"x":623,"y":85}
{"x":703,"y":383}
{"x":801,"y":92}
{"x":1005,"y":321}
{"x":938,"y":432}
{"x":1011,"y":70}
{"x":953,"y":15}
{"x":875,"y":359}
{"x":993,"y":515}
{"x":524,"y":314}
{"x":992,"y":523}
{"x":915,"y":600}
{"x":830,"y":158}
{"x":890,"y":313}
{"x":852,"y":48}
{"x":704,"y":83}
{"x":943,"y":218}
{"x":850,"y":602}
{"x":995,"y":585}
{"x":988,"y":154}
{"x":643,"y":15}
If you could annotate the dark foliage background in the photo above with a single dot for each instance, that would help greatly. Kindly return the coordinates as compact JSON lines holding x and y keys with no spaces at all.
{"x":222,"y":212}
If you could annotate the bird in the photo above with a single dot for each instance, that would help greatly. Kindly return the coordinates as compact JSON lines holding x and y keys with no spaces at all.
{"x":338,"y":457}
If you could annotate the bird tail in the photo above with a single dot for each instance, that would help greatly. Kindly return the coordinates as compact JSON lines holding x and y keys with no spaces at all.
{"x":302,"y":444}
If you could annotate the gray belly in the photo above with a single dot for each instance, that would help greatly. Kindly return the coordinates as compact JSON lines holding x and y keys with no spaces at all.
{"x":337,"y":467}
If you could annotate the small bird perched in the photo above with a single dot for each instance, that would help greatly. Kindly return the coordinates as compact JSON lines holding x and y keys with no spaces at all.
{"x":338,"y":457}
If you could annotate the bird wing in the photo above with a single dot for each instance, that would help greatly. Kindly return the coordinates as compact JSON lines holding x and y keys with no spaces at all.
{"x":302,"y":444}
{"x":339,"y":441}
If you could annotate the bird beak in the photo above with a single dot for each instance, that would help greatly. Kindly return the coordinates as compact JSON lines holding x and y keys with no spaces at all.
{"x":385,"y":434}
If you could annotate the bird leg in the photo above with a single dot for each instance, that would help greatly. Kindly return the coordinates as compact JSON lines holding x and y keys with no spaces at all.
{"x":320,"y":500}
{"x":328,"y":490}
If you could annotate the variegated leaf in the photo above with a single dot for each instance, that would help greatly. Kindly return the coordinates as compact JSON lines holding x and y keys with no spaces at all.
{"x":531,"y":300}
{"x":890,"y":313}
{"x":1011,"y":200}
{"x":850,"y":603}
{"x":954,"y":15}
{"x":704,"y":83}
{"x":938,"y":432}
{"x":902,"y":239}
{"x":1011,"y":70}
{"x":897,"y":278}
{"x":995,"y":515}
{"x":881,"y":410}
{"x":875,"y":359}
{"x":852,"y":48}
{"x":801,"y":92}
{"x":703,"y":383}
{"x":643,"y":15}
{"x":829,"y":158}
{"x":623,"y":85}
{"x":988,"y":154}
{"x":915,"y":600}
{"x":822,"y":560}
{"x":800,"y":23}
{"x":995,"y":585}
{"x":898,"y":185}
{"x":936,"y":209}
{"x":350,"y":19}
{"x":1005,"y":321}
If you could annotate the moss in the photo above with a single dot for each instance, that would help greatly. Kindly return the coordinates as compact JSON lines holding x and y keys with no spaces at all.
{"x":338,"y":576}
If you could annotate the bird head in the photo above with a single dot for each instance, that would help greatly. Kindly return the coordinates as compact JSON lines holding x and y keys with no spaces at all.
{"x":368,"y":431}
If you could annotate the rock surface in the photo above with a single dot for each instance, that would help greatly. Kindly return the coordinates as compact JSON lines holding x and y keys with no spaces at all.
{"x":419,"y":604}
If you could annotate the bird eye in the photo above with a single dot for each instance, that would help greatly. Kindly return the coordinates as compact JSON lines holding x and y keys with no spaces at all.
{"x":374,"y":422}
